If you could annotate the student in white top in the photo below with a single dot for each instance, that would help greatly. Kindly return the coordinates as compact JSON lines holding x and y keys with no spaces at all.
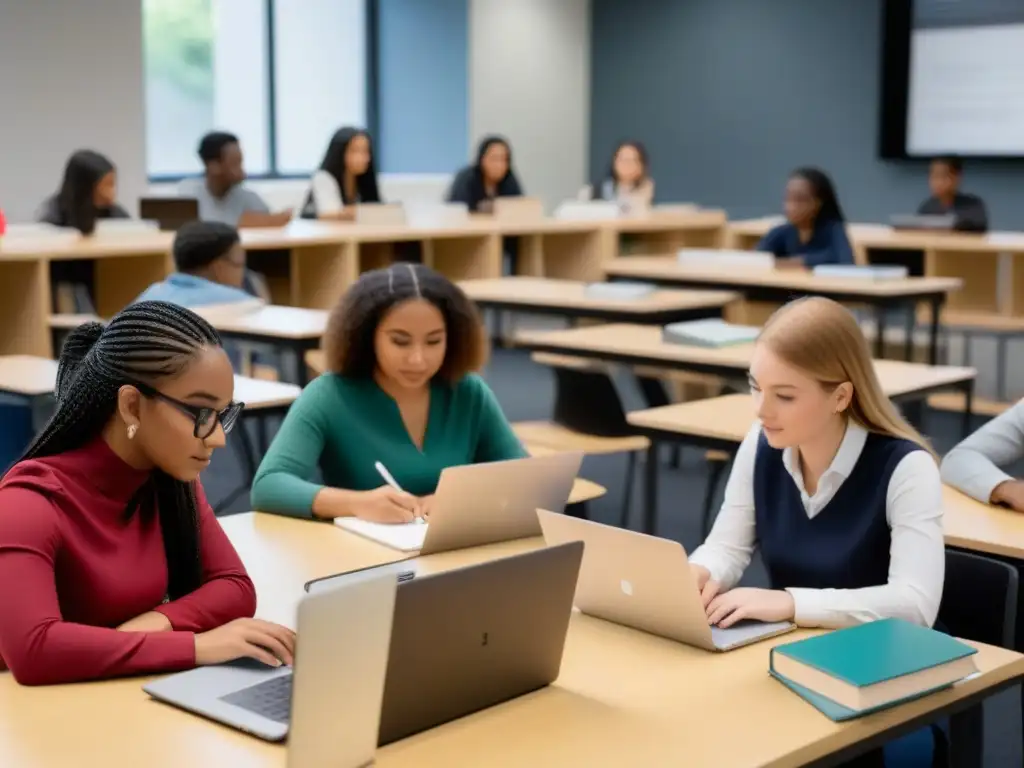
{"x":347,"y":176}
{"x":977,"y":465}
{"x":841,"y":496}
{"x":628,"y":182}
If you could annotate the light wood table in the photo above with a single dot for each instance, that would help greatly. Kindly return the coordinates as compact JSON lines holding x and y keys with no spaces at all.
{"x":777,"y":286}
{"x":293,"y":330}
{"x":623,"y":697}
{"x":990,"y":265}
{"x":720,"y":423}
{"x":569,"y":298}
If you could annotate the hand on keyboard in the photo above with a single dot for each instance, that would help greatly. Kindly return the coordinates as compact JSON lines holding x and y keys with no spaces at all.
{"x":246,"y":638}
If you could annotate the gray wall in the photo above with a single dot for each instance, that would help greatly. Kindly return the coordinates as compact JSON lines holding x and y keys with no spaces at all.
{"x":730,"y":95}
{"x":71,"y":78}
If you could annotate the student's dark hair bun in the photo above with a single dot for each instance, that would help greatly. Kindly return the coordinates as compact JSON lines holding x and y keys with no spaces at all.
{"x":76,"y":346}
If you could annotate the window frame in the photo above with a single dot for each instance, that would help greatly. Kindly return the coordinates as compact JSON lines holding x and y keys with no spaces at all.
{"x":371,"y":14}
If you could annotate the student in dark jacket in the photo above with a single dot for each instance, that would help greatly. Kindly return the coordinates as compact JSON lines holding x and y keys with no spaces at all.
{"x":490,"y":177}
{"x":347,"y":177}
{"x":87,"y":193}
{"x":815,"y":228}
{"x":944,"y":178}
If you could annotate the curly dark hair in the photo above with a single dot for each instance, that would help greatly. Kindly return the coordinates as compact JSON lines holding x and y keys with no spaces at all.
{"x":348,"y":342}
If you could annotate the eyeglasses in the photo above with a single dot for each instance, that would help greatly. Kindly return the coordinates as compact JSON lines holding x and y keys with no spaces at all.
{"x":205,"y":419}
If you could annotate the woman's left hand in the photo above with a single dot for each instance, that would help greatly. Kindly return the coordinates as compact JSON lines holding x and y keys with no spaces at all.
{"x":747,"y":603}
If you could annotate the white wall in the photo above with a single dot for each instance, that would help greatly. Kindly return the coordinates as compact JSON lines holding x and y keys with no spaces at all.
{"x":529,"y":79}
{"x":70,"y":78}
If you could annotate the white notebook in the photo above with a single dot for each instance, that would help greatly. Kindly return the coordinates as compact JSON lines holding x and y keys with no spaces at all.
{"x":864,"y":272}
{"x":718,"y":258}
{"x":711,"y":333}
{"x":407,"y":537}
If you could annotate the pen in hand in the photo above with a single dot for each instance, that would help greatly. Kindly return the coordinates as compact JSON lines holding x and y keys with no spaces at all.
{"x":383,"y":472}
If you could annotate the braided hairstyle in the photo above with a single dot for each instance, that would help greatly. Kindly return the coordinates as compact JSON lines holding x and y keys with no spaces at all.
{"x":145,"y":342}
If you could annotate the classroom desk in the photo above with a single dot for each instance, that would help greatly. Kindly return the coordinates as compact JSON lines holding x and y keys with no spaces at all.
{"x":991,"y":265}
{"x":568,"y":298}
{"x":290,"y":329}
{"x":639,"y":345}
{"x":721,"y":423}
{"x":623,"y":697}
{"x":781,"y":285}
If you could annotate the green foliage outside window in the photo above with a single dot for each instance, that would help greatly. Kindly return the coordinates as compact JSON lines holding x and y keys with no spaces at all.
{"x":178,"y":41}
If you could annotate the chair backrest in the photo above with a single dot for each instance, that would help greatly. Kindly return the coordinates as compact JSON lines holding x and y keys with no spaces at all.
{"x":979,"y":599}
{"x":587,"y":402}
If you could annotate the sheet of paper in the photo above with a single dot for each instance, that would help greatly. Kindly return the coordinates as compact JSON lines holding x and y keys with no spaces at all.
{"x":407,"y":537}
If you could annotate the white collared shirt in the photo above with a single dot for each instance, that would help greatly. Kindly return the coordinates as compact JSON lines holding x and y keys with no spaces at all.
{"x":913,"y":509}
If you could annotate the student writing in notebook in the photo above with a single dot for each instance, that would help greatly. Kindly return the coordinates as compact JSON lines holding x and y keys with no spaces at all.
{"x":347,"y":177}
{"x":841,"y":496}
{"x":627,"y":182}
{"x":111,"y":560}
{"x":491,"y":176}
{"x":815,"y":228}
{"x":403,"y":348}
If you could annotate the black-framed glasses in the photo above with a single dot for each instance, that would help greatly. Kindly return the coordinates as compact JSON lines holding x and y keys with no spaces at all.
{"x":205,"y":419}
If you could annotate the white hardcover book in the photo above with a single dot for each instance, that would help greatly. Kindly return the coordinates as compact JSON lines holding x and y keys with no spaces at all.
{"x":618,"y":290}
{"x":710,"y":333}
{"x":724,"y":257}
{"x":863,"y":272}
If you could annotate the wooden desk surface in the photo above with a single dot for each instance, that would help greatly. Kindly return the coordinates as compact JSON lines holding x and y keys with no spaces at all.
{"x":639,"y":341}
{"x":542,"y":291}
{"x":981,"y":527}
{"x":27,"y":375}
{"x":623,"y":697}
{"x":272,"y":321}
{"x":75,"y":246}
{"x":884,"y":236}
{"x":669,"y":268}
{"x":643,"y":341}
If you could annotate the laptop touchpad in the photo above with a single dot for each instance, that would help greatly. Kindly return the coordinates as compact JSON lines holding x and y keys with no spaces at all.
{"x":744,"y":632}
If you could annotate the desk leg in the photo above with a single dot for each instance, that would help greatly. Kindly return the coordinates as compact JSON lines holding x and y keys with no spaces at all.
{"x":651,"y":489}
{"x":965,"y":425}
{"x":879,"y":331}
{"x":910,"y":325}
{"x":967,"y":738}
{"x":933,"y":337}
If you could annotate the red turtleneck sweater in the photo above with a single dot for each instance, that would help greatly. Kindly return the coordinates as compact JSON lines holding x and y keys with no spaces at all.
{"x":72,"y":569}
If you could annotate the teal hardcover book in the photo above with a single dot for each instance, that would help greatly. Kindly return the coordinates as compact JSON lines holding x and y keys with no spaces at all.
{"x":860,"y":669}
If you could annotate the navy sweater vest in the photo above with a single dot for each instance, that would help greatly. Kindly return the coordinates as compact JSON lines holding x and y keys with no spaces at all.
{"x":846,"y":545}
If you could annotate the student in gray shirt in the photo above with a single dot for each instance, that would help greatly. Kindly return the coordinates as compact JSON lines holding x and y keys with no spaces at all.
{"x":976,"y":465}
{"x":220,"y":191}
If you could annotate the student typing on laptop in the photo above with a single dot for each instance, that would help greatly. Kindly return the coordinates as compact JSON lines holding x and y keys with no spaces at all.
{"x":111,"y":560}
{"x":944,"y":178}
{"x":402,"y":347}
{"x":840,"y":494}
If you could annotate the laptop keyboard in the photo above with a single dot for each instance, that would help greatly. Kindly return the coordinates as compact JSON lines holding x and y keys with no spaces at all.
{"x":271,"y":699}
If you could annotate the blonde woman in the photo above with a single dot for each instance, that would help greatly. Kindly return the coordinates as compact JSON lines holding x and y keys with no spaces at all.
{"x":841,"y":496}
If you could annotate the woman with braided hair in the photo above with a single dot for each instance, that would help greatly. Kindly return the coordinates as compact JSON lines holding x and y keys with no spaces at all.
{"x":111,"y":560}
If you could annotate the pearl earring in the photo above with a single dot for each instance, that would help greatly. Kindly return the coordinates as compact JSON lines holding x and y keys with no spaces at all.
{"x":132,"y":429}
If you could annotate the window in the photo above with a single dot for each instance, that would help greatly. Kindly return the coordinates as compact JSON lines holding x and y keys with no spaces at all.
{"x":281,"y":74}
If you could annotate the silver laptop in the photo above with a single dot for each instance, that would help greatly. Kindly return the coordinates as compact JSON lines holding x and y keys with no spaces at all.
{"x":645,"y":582}
{"x":333,"y":717}
{"x":480,"y":504}
{"x":472,"y":637}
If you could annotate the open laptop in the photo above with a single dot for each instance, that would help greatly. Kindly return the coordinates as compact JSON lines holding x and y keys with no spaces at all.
{"x":479,"y":504}
{"x":645,"y":582}
{"x":169,"y":212}
{"x":333,"y":717}
{"x":942,"y":222}
{"x":469,"y":638}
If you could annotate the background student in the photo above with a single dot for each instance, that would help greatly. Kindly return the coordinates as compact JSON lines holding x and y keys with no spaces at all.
{"x":221,"y":191}
{"x":627,"y":182}
{"x":347,"y":177}
{"x":977,"y":465}
{"x":815,"y":228}
{"x":111,"y":560}
{"x":209,"y":264}
{"x":87,"y":194}
{"x":403,"y":347}
{"x":841,"y":496}
{"x":944,"y":177}
{"x":490,"y":177}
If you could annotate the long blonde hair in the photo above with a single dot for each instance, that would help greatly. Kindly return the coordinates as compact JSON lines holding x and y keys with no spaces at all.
{"x":821,"y":338}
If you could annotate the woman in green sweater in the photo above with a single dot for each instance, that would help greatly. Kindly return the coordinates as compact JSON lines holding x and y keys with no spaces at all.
{"x":402,"y":347}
